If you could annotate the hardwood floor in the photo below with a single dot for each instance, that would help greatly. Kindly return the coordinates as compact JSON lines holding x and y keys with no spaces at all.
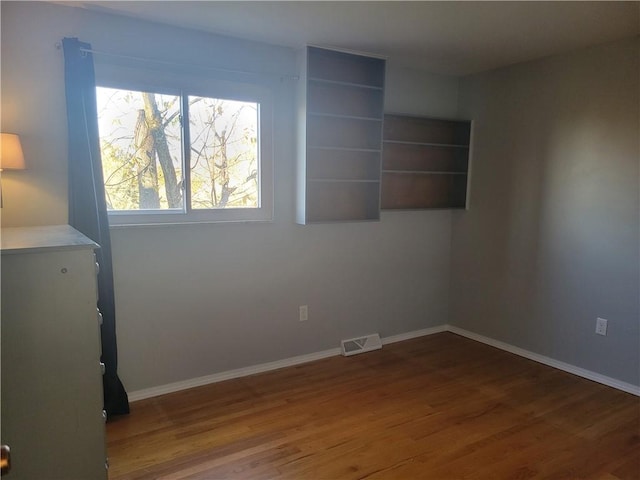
{"x":436,"y":407}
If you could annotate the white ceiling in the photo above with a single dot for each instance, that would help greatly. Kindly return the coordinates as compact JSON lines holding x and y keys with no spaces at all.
{"x":443,"y":37}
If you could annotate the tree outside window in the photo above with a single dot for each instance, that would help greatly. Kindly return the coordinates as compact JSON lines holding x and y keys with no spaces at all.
{"x":154,"y":162}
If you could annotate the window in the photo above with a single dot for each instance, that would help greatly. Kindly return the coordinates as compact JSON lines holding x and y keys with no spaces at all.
{"x":175,"y":157}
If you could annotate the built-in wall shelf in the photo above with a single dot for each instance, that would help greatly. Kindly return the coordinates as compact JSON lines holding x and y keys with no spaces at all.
{"x":340,"y":118}
{"x":425,"y":162}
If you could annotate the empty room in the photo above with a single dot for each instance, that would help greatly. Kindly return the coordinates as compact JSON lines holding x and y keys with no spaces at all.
{"x":320,"y":240}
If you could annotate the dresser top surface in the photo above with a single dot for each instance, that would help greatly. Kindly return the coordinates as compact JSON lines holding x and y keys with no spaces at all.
{"x":40,"y":239}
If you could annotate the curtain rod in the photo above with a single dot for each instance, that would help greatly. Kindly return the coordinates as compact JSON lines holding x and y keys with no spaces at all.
{"x":184,"y":65}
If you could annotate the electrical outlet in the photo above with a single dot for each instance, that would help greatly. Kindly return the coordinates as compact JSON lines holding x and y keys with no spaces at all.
{"x":601,"y":326}
{"x":304,"y":313}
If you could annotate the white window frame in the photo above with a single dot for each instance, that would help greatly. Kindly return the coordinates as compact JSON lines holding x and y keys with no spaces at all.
{"x":171,"y":83}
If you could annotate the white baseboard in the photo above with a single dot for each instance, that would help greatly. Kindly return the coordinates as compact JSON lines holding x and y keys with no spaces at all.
{"x":289,"y":362}
{"x":401,"y":337}
{"x":266,"y":367}
{"x":580,"y":372}
{"x":230,"y":374}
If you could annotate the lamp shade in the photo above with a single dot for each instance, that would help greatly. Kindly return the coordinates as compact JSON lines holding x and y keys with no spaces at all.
{"x":11,"y":157}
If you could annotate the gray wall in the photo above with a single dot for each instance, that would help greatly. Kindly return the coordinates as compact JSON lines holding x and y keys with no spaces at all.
{"x":551,"y":239}
{"x":201,"y":299}
{"x":550,"y":242}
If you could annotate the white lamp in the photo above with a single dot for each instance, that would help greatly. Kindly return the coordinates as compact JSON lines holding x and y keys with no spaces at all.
{"x":11,"y":156}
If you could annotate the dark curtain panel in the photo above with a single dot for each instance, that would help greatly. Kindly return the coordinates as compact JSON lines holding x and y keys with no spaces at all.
{"x":87,"y":205}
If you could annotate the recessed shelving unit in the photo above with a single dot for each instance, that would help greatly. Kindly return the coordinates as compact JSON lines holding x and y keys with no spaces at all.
{"x":425,"y":163}
{"x":340,"y":147}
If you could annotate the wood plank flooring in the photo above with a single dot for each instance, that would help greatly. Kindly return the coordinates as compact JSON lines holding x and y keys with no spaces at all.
{"x":436,"y":407}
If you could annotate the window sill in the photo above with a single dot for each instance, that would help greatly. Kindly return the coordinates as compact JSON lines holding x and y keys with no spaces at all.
{"x":227,"y":216}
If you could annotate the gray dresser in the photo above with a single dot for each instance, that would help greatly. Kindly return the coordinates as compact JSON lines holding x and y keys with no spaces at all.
{"x":51,"y":408}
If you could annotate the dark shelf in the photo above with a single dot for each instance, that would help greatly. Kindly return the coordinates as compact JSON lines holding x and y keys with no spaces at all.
{"x":342,"y":151}
{"x":425,"y":162}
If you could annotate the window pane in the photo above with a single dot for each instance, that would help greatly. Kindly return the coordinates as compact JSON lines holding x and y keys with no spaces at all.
{"x":224,"y":153}
{"x":140,"y":143}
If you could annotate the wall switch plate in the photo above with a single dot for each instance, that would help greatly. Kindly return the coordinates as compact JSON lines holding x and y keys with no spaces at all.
{"x":601,"y":326}
{"x":304,"y":313}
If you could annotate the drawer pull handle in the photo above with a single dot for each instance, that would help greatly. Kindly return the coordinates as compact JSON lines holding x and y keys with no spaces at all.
{"x":104,"y":415}
{"x":100,"y":319}
{"x":102,"y":368}
{"x":5,"y":459}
